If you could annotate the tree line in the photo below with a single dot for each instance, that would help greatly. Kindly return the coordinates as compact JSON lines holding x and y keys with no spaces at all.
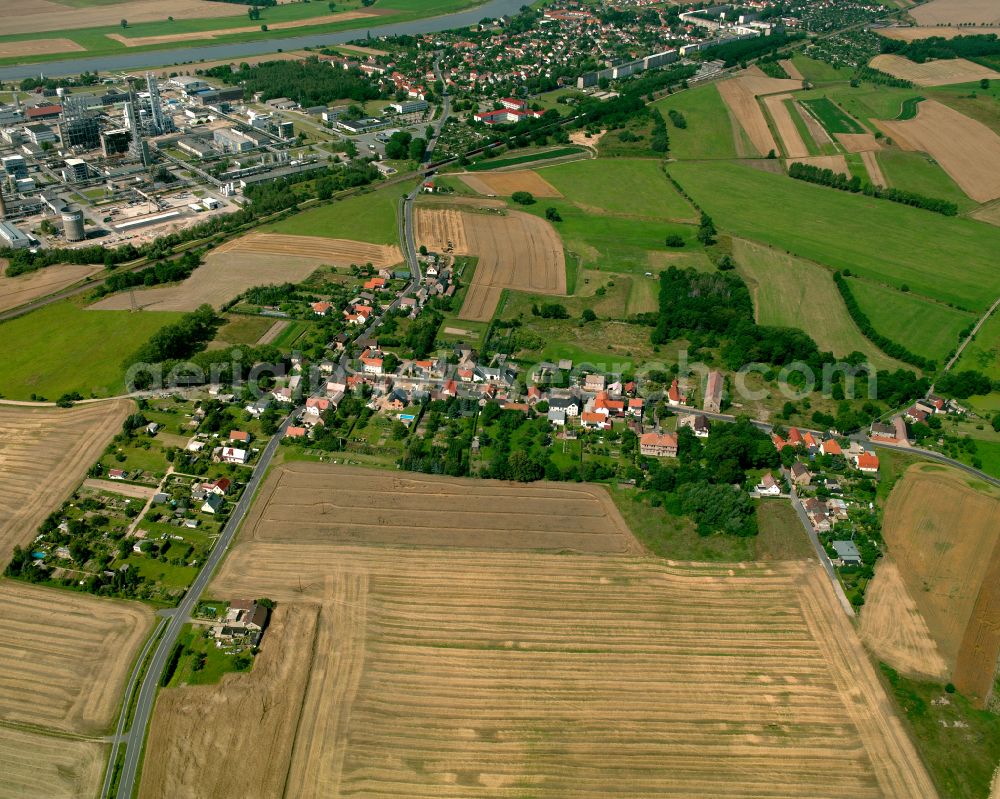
{"x":161,"y":272}
{"x":884,"y":343}
{"x":854,"y":184}
{"x":934,"y":47}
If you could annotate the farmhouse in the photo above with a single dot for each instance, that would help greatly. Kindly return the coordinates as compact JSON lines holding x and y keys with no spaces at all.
{"x":658,"y":445}
{"x":244,"y":622}
{"x":768,"y":486}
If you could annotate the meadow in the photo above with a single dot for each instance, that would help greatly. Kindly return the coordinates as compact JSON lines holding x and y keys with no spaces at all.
{"x":792,"y":292}
{"x":63,"y":348}
{"x":709,"y":132}
{"x":983,"y":352}
{"x":367,"y":217}
{"x":922,"y":326}
{"x":831,"y":117}
{"x":917,"y":172}
{"x":948,"y":259}
{"x":527,"y":158}
{"x":623,"y":186}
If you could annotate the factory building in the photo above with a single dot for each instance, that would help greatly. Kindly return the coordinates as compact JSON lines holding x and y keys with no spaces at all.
{"x":12,"y":238}
{"x":115,"y":142}
{"x":232,"y":141}
{"x":75,"y":170}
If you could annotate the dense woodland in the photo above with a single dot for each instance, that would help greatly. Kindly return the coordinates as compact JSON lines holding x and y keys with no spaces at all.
{"x":309,"y":82}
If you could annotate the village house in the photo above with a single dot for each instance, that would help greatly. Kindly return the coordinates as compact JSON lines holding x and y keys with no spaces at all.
{"x":768,"y":486}
{"x":867,"y":463}
{"x":245,"y":621}
{"x":233,"y":455}
{"x":831,"y":447}
{"x":220,"y":486}
{"x":321,"y":308}
{"x":593,"y":383}
{"x":317,"y":406}
{"x":295,"y":432}
{"x":116,"y":474}
{"x":801,"y":475}
{"x":568,"y":405}
{"x":239,"y":436}
{"x":696,"y":422}
{"x":882,"y":432}
{"x":594,"y":421}
{"x":658,"y":445}
{"x":847,"y":553}
{"x":213,"y":503}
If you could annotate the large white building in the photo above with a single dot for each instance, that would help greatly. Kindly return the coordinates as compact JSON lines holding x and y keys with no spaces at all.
{"x":13,"y":238}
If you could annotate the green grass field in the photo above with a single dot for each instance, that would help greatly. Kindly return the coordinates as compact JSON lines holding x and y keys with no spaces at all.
{"x":622,"y":186}
{"x":791,"y":292}
{"x":643,"y":296}
{"x":868,"y":101}
{"x":972,"y":100}
{"x":780,"y":535}
{"x":922,"y":326}
{"x":243,"y":329}
{"x":527,"y":158}
{"x":910,"y":108}
{"x":949,"y":259}
{"x":62,"y":348}
{"x":983,"y":352}
{"x":819,"y":71}
{"x":366,"y":217}
{"x":914,"y":171}
{"x":800,"y":126}
{"x":831,"y":117}
{"x":708,"y":133}
{"x":612,"y":243}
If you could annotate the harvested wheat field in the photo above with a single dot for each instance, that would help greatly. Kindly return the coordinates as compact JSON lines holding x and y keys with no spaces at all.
{"x":65,"y":656}
{"x":506,"y":183}
{"x":874,"y":168}
{"x":516,"y":251}
{"x":835,"y":162}
{"x":44,"y":454}
{"x":933,"y":73}
{"x":740,"y":95}
{"x":38,"y":47}
{"x":45,"y":15}
{"x":945,"y":537}
{"x":792,"y":144}
{"x":259,"y":712}
{"x":19,"y":290}
{"x":330,"y":507}
{"x":966,"y":149}
{"x":894,"y":630}
{"x":50,"y":767}
{"x":958,"y":12}
{"x":913,"y":33}
{"x":253,"y":260}
{"x":858,"y":142}
{"x":486,"y":672}
{"x":145,"y":41}
{"x":793,"y":71}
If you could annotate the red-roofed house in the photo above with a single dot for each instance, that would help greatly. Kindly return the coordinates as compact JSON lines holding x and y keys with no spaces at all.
{"x":867,"y":462}
{"x":239,"y":435}
{"x":295,"y":432}
{"x":674,"y":395}
{"x":658,"y":445}
{"x":371,"y":362}
{"x":375,"y":283}
{"x":635,"y":407}
{"x":594,"y":421}
{"x":315,"y":406}
{"x":321,"y":308}
{"x":831,"y":447}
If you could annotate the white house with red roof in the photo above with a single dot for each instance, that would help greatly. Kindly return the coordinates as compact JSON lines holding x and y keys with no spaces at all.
{"x":658,"y":445}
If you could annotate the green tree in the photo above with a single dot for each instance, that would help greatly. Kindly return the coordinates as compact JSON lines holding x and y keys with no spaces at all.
{"x":523,"y":197}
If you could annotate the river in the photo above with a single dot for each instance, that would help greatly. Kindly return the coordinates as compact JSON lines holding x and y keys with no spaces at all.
{"x":156,"y":58}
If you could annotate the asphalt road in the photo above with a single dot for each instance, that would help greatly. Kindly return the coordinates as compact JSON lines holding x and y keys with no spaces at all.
{"x":134,"y":739}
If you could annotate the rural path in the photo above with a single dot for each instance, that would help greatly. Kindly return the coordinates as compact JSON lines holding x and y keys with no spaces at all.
{"x":824,"y":559}
{"x":150,"y":680}
{"x":972,"y":335}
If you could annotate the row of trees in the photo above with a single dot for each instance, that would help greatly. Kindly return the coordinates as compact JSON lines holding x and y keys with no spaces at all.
{"x":161,"y":272}
{"x":934,"y":47}
{"x":854,"y":184}
{"x":884,"y":343}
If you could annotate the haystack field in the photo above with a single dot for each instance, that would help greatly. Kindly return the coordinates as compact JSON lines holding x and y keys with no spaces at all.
{"x":488,"y":672}
{"x":894,"y":630}
{"x":914,"y":33}
{"x":44,"y":453}
{"x":253,"y":260}
{"x":43,"y":765}
{"x":46,"y":15}
{"x":740,"y":95}
{"x":434,"y":511}
{"x":858,"y":142}
{"x":933,"y":73}
{"x":516,"y":251}
{"x":792,"y":144}
{"x":29,"y":47}
{"x":506,"y":183}
{"x":64,"y":656}
{"x":965,"y":148}
{"x":19,"y":290}
{"x":945,"y":537}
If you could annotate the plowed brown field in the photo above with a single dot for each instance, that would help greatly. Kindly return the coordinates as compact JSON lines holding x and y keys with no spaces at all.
{"x":253,"y":260}
{"x":516,"y":251}
{"x":506,"y":183}
{"x":945,"y":537}
{"x":44,"y":454}
{"x":966,"y":149}
{"x":496,"y":670}
{"x":740,"y":94}
{"x":894,"y":630}
{"x":792,"y":144}
{"x":934,"y":73}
